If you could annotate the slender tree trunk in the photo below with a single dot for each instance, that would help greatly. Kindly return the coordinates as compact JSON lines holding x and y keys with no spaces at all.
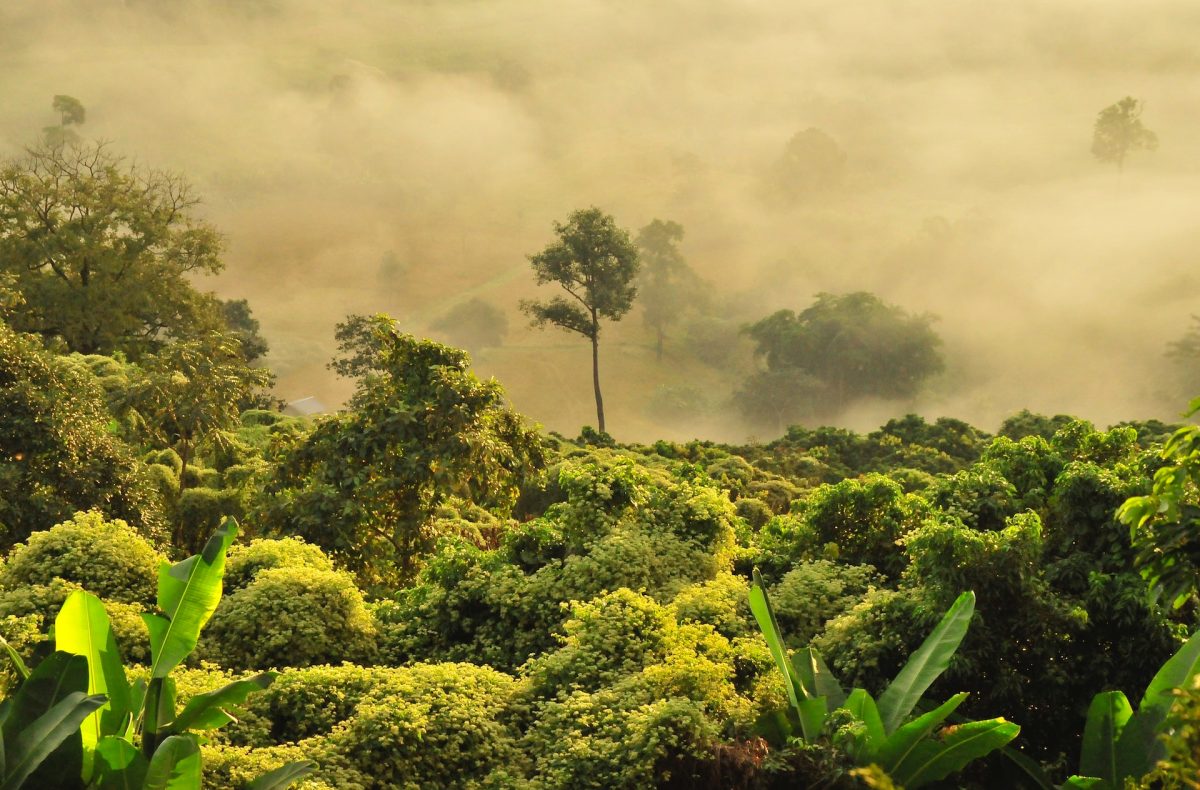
{"x":596,"y":375}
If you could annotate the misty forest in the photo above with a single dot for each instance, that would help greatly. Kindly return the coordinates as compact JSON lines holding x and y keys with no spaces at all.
{"x":516,"y":395}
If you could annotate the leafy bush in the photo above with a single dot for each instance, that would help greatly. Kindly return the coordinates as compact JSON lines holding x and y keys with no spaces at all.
{"x":246,"y":560}
{"x":632,"y":699}
{"x":814,"y":592}
{"x":606,"y":639}
{"x":291,"y":616}
{"x":199,"y":509}
{"x":719,"y":602}
{"x":622,"y":525}
{"x":865,"y":518}
{"x":429,"y":725}
{"x":107,"y":558}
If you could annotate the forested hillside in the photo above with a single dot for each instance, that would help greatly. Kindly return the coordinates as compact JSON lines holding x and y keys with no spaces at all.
{"x":516,"y":395}
{"x":452,"y":598}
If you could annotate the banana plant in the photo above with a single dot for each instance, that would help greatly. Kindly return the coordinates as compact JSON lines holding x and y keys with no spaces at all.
{"x":908,"y":749}
{"x":132,"y":736}
{"x":40,"y":740}
{"x":1119,"y":743}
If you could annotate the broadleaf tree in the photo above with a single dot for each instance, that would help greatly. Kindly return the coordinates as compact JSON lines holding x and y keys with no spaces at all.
{"x":366,"y":484}
{"x":596,"y":264}
{"x":667,"y":286}
{"x":838,"y":350}
{"x":190,"y":393}
{"x":103,"y":251}
{"x":1119,"y":131}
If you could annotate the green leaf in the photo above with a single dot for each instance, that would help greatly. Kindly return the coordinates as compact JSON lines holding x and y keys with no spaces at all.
{"x":1138,"y":747}
{"x":816,"y":678}
{"x":1107,"y":716}
{"x":48,"y":684}
{"x":119,"y":765}
{"x":283,"y":776}
{"x":82,"y":629}
{"x":926,"y":664}
{"x":39,"y":739}
{"x":1032,"y":768}
{"x":206,"y":711}
{"x":15,"y":658}
{"x":175,"y":765}
{"x":900,"y":744}
{"x":813,"y":712}
{"x":932,"y":759}
{"x":760,"y":607}
{"x":861,"y":706}
{"x":1174,"y":674}
{"x":1085,"y":783}
{"x":188,"y":592}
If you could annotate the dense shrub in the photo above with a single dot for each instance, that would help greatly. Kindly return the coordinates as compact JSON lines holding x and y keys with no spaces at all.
{"x":755,"y":512}
{"x":621,"y":526}
{"x":865,"y":518}
{"x":632,"y":699}
{"x":721,"y":602}
{"x":57,"y":455}
{"x":781,"y":543}
{"x":428,"y":726}
{"x":247,"y":559}
{"x":290,"y":617}
{"x":980,"y":497}
{"x":107,"y":558}
{"x":606,"y":639}
{"x":28,"y":610}
{"x":201,"y":510}
{"x":814,"y":592}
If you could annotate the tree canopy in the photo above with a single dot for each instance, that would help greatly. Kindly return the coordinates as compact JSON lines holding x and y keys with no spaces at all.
{"x":667,"y":286}
{"x":838,"y":350}
{"x":420,"y":428}
{"x":102,"y":250}
{"x":1119,"y":132}
{"x":57,"y":454}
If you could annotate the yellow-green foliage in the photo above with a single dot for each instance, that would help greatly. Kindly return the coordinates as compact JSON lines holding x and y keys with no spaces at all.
{"x":29,"y":610}
{"x":814,"y":592}
{"x":1181,"y":769}
{"x":246,"y":560}
{"x":290,"y":616}
{"x":632,"y":697}
{"x":722,"y":602}
{"x":235,"y":767}
{"x":429,"y":726}
{"x":425,"y":726}
{"x":107,"y":558}
{"x":621,"y":526}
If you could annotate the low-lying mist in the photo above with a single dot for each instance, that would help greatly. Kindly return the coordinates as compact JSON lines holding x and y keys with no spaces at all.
{"x":403,"y":157}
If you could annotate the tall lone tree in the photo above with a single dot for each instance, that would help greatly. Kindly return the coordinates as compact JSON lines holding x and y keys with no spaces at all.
{"x":70,"y":113}
{"x":596,"y":263}
{"x":1119,"y":132}
{"x":667,"y":285}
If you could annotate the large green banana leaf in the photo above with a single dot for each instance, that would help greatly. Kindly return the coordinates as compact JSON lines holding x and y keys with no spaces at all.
{"x":188,"y":594}
{"x":936,"y":758}
{"x":926,"y":664}
{"x":82,"y":628}
{"x":40,"y":738}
